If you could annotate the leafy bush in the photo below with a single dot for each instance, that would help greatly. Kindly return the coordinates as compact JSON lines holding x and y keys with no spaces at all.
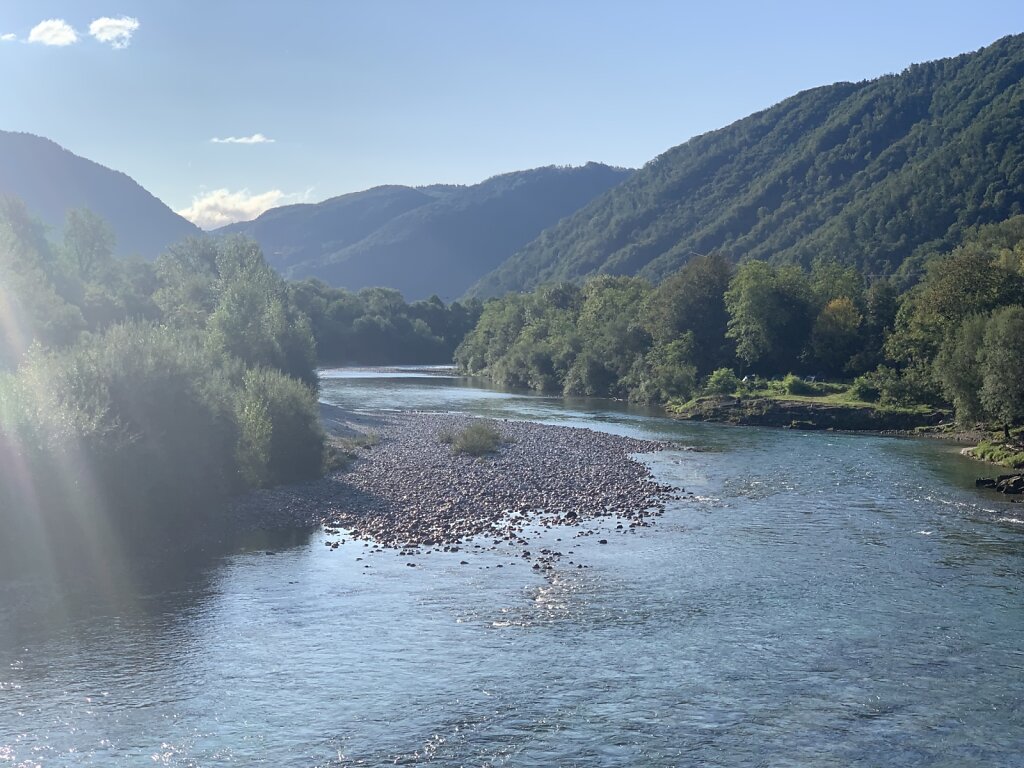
{"x":664,"y":373}
{"x":866,"y":388}
{"x":139,"y":417}
{"x":908,"y":387}
{"x":794,"y":385}
{"x":476,"y":440}
{"x":722,"y":381}
{"x":280,"y":439}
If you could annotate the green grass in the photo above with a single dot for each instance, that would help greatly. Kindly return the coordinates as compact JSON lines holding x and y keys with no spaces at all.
{"x":342,"y":451}
{"x":1000,"y":453}
{"x":824,"y":393}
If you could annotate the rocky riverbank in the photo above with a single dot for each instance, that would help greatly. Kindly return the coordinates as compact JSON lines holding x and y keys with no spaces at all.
{"x":1009,"y":484}
{"x":409,"y":490}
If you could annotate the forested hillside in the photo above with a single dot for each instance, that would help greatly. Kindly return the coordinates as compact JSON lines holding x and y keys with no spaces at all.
{"x":52,"y":181}
{"x":873,"y":174}
{"x":308,"y":232}
{"x":431,"y":240}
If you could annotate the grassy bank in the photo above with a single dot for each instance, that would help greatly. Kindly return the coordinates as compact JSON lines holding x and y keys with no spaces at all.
{"x":800,"y":404}
{"x":998,"y":451}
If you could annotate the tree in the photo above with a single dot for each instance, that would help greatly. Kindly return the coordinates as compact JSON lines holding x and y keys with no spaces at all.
{"x":970,"y":280}
{"x":88,"y":245}
{"x":1002,"y":385}
{"x":770,"y":315}
{"x":835,"y":337}
{"x":187,"y":276}
{"x":693,"y":299}
{"x":958,"y":371}
{"x":254,"y":318}
{"x":32,"y":304}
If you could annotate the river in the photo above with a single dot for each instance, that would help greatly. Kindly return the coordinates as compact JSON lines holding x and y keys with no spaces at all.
{"x":821,"y":599}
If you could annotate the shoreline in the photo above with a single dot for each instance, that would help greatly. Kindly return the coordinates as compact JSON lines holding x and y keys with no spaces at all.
{"x":807,"y":414}
{"x":409,"y":491}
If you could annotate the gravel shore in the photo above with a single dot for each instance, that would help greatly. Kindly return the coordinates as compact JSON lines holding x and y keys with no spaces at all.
{"x":410,"y":490}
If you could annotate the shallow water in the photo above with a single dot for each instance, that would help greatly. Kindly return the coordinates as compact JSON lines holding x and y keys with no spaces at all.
{"x":824,"y":600}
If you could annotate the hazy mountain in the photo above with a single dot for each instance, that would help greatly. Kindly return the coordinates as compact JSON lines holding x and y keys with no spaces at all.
{"x":51,"y":180}
{"x":872,"y":173}
{"x":294,"y":234}
{"x":438,"y":239}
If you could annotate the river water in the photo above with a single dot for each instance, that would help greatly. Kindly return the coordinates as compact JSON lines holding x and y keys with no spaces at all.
{"x":821,"y":599}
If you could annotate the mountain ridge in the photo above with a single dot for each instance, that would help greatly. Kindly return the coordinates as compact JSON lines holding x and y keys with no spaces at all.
{"x":51,"y":180}
{"x":873,"y":173}
{"x":436,"y":239}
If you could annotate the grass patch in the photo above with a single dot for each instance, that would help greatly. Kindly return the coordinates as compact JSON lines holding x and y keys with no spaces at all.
{"x":1000,"y":453}
{"x":475,"y":440}
{"x":843,"y":397}
{"x":342,"y":451}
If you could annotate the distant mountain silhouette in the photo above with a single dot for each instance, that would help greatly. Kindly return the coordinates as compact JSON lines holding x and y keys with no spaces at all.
{"x":51,"y":181}
{"x":428,"y":240}
{"x":874,"y":173}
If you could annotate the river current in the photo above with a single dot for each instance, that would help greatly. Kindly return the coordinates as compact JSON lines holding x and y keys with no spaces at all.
{"x":821,"y":599}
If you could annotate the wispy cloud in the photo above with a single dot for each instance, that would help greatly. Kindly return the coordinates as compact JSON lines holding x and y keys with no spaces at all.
{"x":8,"y":37}
{"x":53,"y":32}
{"x":256,"y":138}
{"x":220,"y":207}
{"x":117,"y":33}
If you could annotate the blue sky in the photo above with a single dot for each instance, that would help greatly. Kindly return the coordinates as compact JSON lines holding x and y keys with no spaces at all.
{"x":349,"y":95}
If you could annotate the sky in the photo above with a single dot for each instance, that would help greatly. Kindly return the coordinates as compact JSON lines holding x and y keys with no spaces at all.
{"x":223,"y":108}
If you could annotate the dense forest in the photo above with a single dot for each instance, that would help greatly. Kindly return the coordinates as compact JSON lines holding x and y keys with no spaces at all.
{"x":172,"y":384}
{"x":957,"y":336}
{"x":875,"y":174}
{"x":376,"y":326}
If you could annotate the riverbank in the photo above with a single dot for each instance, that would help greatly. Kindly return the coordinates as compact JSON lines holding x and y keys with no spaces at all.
{"x":408,"y":490}
{"x":806,"y":414}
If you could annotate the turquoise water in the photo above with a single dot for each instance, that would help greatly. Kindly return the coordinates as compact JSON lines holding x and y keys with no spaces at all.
{"x":826,"y":600}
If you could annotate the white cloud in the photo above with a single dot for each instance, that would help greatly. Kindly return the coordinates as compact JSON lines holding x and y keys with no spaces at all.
{"x":53,"y":32}
{"x":220,"y":207}
{"x":8,"y":37}
{"x":116,"y":32}
{"x":256,"y":138}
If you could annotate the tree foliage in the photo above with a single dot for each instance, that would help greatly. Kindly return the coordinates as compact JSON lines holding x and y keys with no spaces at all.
{"x":1002,"y":377}
{"x":949,"y":338}
{"x":157,"y":386}
{"x":377,"y":327}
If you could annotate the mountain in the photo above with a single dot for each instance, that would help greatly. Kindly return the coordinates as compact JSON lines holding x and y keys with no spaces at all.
{"x":428,"y":240}
{"x":51,"y":181}
{"x":308,"y":233}
{"x":873,"y":173}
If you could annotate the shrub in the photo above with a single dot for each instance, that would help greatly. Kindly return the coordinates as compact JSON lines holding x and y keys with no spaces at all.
{"x":794,"y":385}
{"x":476,"y":440}
{"x":722,"y":382}
{"x":280,"y":439}
{"x":139,"y":417}
{"x":866,"y":388}
{"x":340,"y":452}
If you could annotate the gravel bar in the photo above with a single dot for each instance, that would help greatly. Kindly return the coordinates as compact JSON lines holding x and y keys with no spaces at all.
{"x":411,"y":490}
